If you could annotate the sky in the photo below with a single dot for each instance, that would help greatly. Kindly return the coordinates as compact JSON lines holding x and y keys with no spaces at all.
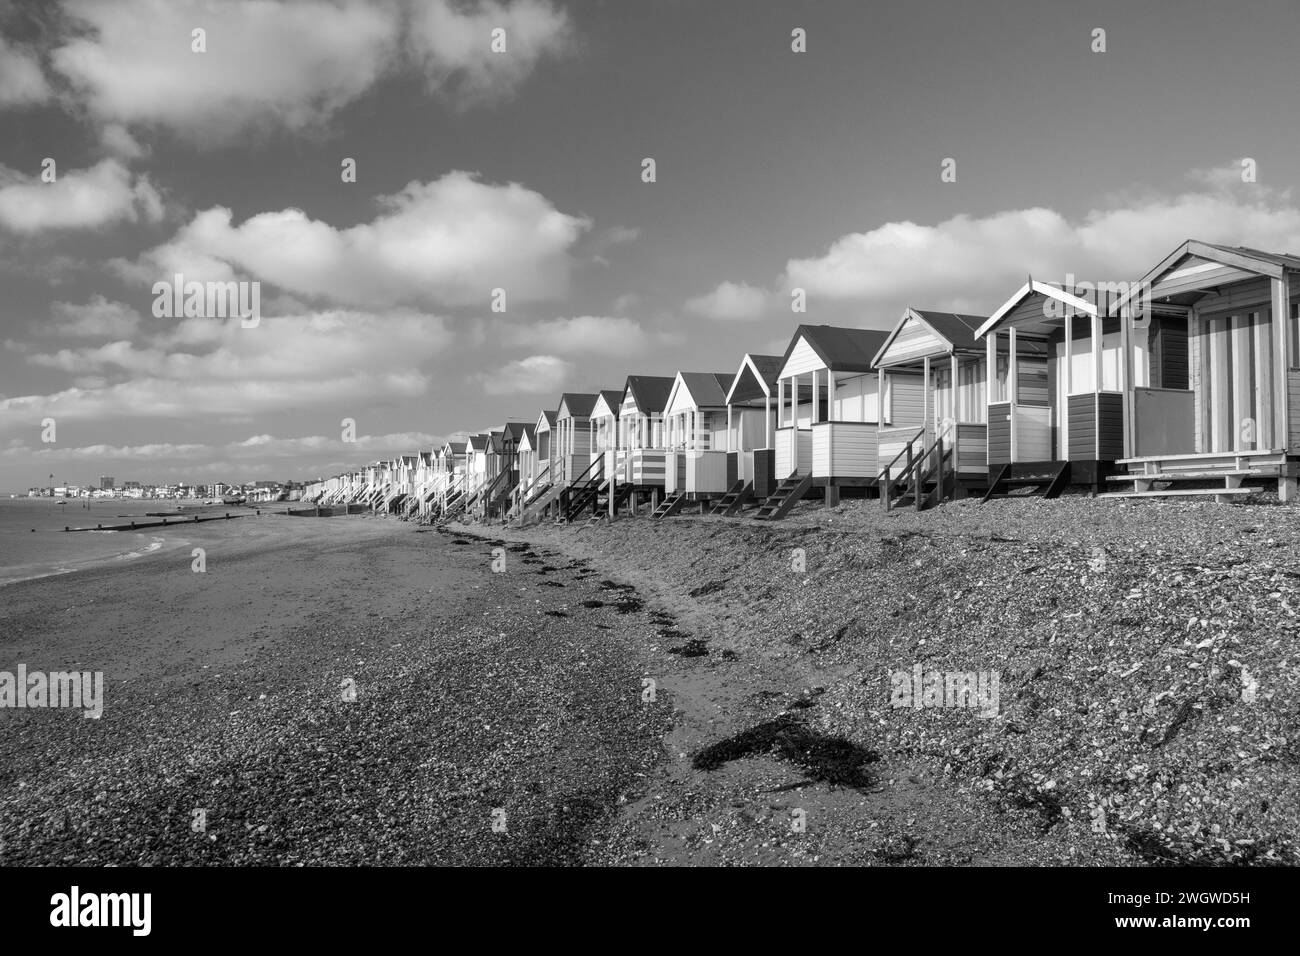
{"x":501,"y":145}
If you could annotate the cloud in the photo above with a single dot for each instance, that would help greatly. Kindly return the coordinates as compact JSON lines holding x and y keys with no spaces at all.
{"x":329,"y":360}
{"x":968,"y":260}
{"x":98,"y":318}
{"x":530,"y":376}
{"x":453,"y":44}
{"x":266,"y":63}
{"x":22,"y":83}
{"x":730,"y":302}
{"x":119,"y":142}
{"x":587,"y":334}
{"x":90,"y":198}
{"x":449,"y":242}
{"x":288,"y":64}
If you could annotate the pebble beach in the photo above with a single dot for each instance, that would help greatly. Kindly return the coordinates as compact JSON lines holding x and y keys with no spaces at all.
{"x":365,"y":691}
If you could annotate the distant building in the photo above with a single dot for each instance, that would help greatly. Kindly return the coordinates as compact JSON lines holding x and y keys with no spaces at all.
{"x":107,"y":482}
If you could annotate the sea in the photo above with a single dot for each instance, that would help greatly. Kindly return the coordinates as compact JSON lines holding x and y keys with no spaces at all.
{"x":33,"y":542}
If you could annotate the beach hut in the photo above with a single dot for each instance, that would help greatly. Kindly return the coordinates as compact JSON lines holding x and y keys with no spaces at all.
{"x":604,"y":430}
{"x":572,"y":438}
{"x":923,"y":356}
{"x":751,"y":420}
{"x":829,"y":407}
{"x":641,"y":431}
{"x":455,"y":463}
{"x":695,"y":435}
{"x":1217,"y":400}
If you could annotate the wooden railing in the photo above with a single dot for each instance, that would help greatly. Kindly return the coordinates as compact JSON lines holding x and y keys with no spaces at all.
{"x":928,"y":465}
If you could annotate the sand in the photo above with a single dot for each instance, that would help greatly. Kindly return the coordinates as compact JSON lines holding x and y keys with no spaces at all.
{"x":225,"y":702}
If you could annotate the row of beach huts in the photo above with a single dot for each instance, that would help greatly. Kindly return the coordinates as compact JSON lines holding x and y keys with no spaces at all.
{"x":1186,"y":382}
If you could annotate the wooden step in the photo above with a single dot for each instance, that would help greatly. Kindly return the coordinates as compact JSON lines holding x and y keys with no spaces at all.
{"x":669,"y":506}
{"x":1180,"y":492}
{"x":786,"y":496}
{"x":1190,"y":475}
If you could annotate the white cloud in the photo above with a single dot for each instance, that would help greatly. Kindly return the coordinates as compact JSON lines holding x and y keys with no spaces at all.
{"x":530,"y":376}
{"x":730,"y":301}
{"x":22,"y":83}
{"x":98,"y":318}
{"x":80,"y":199}
{"x":969,"y":260}
{"x":586,"y":334}
{"x":119,"y":142}
{"x":452,"y":44}
{"x":286,"y":63}
{"x":326,"y":360}
{"x":450,"y":242}
{"x":267,"y":62}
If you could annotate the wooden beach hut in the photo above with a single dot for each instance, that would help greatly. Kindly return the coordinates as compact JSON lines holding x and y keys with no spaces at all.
{"x":829,"y":410}
{"x":572,"y":438}
{"x":1219,"y":406}
{"x":641,"y":430}
{"x":1062,"y":370}
{"x":604,"y":430}
{"x":751,"y":421}
{"x":932,"y":375}
{"x":695,"y":435}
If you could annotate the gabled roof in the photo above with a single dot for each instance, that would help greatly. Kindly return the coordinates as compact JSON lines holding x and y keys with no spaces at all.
{"x":478,"y":442}
{"x":840,"y":349}
{"x":515,"y":430}
{"x":548,"y":417}
{"x":706,"y":389}
{"x":763,"y":369}
{"x":1026,"y":292}
{"x":498,"y":443}
{"x":577,"y":404}
{"x":529,"y":435}
{"x":650,"y":392}
{"x":955,"y":328}
{"x":456,"y":447}
{"x":612,"y":399}
{"x":1271,"y":264}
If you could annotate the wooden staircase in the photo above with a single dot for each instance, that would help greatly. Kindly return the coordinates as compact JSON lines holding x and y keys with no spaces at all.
{"x":787,"y":494}
{"x":927,"y":477}
{"x":731,"y":503}
{"x":669,"y":506}
{"x":582,"y":497}
{"x":1045,"y":479}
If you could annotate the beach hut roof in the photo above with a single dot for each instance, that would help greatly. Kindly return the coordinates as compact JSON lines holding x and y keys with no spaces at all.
{"x":1025,"y":309}
{"x":515,"y":430}
{"x":705,"y":389}
{"x":456,"y":447}
{"x":528,"y":438}
{"x":756,"y":378}
{"x":650,"y":392}
{"x":840,"y":349}
{"x":548,"y":417}
{"x":1185,"y":275}
{"x":955,"y":331}
{"x":498,"y":442}
{"x":478,"y":442}
{"x":576,"y":404}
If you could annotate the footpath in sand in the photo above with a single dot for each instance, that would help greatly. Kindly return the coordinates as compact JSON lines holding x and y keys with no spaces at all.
{"x":1148,"y":663}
